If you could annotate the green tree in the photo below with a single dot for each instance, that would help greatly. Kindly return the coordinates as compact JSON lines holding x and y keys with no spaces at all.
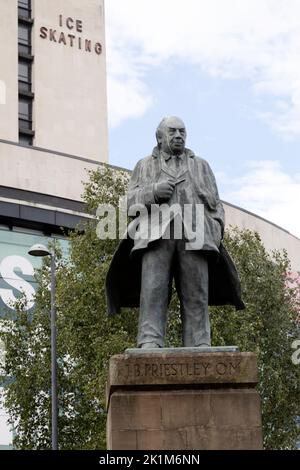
{"x":87,"y":337}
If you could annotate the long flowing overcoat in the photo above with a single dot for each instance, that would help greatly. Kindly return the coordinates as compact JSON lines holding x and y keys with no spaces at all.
{"x":123,"y":281}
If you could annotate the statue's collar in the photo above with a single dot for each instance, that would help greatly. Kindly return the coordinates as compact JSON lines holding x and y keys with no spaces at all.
{"x":166,"y":156}
{"x":188,"y":153}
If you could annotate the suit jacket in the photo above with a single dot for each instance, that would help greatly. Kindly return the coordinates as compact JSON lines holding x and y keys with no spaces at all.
{"x":196,"y":185}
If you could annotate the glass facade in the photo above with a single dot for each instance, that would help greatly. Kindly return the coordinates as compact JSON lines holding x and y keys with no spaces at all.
{"x":25,"y":22}
{"x":17,"y":277}
{"x":24,"y":75}
{"x":24,"y":38}
{"x":24,"y":8}
{"x":17,"y":267}
{"x":25,"y":113}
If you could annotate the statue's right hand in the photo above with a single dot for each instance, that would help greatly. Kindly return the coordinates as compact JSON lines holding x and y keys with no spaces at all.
{"x":163,"y":191}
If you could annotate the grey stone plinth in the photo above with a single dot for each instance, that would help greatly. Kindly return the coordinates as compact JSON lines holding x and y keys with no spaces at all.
{"x":197,"y":350}
{"x":183,"y":400}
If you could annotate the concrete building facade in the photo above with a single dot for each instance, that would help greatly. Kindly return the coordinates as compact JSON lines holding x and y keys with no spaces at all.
{"x":53,"y":110}
{"x":55,"y":51}
{"x":273,"y":236}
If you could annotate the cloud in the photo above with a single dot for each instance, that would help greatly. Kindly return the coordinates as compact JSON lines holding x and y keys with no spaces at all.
{"x":128,"y":96}
{"x":256,"y":40}
{"x":265,"y":189}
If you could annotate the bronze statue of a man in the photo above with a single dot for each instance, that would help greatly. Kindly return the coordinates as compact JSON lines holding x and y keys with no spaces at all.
{"x":143,"y":268}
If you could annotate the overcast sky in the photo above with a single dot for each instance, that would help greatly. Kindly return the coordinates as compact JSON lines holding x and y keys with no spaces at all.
{"x":231,"y":70}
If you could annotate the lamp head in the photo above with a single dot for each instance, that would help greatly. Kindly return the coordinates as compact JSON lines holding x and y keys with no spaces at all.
{"x":39,"y":251}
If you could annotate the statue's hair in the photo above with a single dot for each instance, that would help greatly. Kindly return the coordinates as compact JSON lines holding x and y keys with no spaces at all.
{"x":160,"y":130}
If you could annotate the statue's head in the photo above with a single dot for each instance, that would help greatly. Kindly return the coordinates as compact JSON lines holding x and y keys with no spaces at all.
{"x":171,"y":135}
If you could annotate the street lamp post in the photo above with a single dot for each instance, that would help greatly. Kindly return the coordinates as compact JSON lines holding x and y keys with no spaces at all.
{"x":41,"y":251}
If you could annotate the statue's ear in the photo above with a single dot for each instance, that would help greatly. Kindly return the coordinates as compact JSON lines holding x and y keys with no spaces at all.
{"x":159,"y":137}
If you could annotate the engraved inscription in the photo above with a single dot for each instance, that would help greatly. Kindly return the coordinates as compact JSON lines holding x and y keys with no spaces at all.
{"x":185,"y":369}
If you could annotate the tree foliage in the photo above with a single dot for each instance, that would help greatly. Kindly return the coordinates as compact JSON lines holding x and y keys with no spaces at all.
{"x":87,"y":337}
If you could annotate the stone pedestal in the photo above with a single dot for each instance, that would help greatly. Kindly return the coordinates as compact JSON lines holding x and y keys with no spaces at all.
{"x":183,"y":400}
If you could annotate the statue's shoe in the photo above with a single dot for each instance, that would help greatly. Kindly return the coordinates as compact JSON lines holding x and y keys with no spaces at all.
{"x":149,"y":346}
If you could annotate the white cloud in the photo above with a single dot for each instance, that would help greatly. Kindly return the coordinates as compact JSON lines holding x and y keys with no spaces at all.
{"x":266,"y":190}
{"x":128,"y":96}
{"x":257,"y":40}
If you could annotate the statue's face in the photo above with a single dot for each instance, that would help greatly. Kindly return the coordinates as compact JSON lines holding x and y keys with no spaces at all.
{"x":173,"y":136}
